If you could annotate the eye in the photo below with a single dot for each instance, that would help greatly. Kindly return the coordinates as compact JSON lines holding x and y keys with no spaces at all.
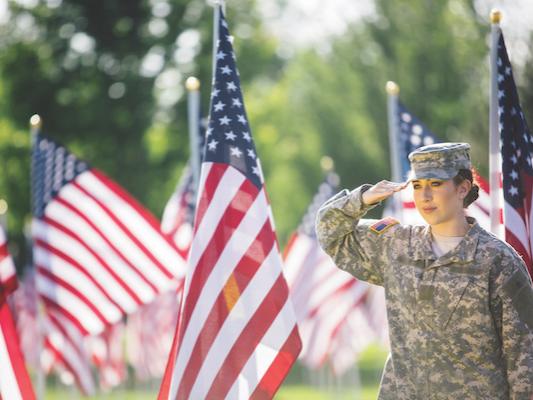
{"x":436,"y":183}
{"x":416,"y":186}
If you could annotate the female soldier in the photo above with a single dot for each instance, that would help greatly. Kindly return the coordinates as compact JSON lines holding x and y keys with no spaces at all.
{"x":459,"y":300}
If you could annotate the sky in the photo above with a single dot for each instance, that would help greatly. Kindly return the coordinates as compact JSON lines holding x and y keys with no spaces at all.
{"x":301,"y":23}
{"x":311,"y":22}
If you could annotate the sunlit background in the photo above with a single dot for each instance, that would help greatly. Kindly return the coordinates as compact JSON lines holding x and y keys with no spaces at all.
{"x":108,"y":79}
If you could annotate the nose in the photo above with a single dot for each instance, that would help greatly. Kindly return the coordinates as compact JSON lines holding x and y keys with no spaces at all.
{"x":427,"y":194}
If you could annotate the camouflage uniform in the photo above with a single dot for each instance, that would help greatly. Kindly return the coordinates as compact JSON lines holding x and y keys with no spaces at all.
{"x":461,"y":326}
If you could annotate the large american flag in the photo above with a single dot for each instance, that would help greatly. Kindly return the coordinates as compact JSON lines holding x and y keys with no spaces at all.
{"x":323,"y":296}
{"x":237,"y":335}
{"x":98,"y":253}
{"x":15,"y":383}
{"x":414,"y":134}
{"x":517,"y":156}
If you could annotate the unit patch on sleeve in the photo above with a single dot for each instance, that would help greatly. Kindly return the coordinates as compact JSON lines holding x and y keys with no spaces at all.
{"x":383,"y":224}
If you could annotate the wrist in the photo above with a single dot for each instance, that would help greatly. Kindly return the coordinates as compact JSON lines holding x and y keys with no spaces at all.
{"x":364,"y":198}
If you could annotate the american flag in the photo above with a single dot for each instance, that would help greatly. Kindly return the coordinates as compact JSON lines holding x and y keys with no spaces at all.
{"x":236,"y":336}
{"x":25,"y":313}
{"x":8,"y":275}
{"x":149,"y":334}
{"x":64,"y":351}
{"x":323,"y":295}
{"x":178,"y":216}
{"x":414,"y":134}
{"x":14,"y":382}
{"x":98,"y":253}
{"x":516,"y":144}
{"x":107,"y":354}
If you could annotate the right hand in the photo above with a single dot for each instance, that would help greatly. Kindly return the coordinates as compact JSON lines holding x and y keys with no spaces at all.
{"x":381,"y":190}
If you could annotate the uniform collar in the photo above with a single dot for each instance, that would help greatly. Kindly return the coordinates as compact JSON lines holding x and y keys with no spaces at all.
{"x":463,"y":253}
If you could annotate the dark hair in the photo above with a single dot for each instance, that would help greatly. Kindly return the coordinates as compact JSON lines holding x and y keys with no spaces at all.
{"x":473,"y":194}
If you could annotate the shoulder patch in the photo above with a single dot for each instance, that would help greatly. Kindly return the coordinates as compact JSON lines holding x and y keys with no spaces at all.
{"x":383,"y":224}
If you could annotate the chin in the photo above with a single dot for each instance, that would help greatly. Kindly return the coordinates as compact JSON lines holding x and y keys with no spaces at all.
{"x":431,"y":219}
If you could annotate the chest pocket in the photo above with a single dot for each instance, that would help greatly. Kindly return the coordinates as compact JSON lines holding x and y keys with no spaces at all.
{"x":458,"y":297}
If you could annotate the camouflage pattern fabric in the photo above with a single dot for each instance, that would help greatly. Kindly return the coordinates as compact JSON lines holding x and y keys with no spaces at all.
{"x":461,"y":326}
{"x":440,"y":161}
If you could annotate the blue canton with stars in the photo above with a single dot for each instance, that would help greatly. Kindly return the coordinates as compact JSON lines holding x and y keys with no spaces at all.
{"x":413,"y":134}
{"x":325,"y":191}
{"x":228,"y":136}
{"x":516,"y":140}
{"x":52,"y":167}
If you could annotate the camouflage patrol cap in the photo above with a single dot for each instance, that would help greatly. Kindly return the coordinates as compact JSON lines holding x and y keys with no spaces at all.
{"x":440,"y":161}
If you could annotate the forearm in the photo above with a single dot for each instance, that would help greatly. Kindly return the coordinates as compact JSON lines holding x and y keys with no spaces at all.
{"x":339,"y":236}
{"x":339,"y":215}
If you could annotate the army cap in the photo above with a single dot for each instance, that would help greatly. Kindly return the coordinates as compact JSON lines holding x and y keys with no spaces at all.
{"x":440,"y":160}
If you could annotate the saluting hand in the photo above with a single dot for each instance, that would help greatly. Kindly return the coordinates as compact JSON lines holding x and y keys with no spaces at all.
{"x":381,"y":190}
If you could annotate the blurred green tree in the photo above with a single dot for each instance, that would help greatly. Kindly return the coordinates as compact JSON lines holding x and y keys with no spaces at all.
{"x":107,"y":78}
{"x":332,"y":102}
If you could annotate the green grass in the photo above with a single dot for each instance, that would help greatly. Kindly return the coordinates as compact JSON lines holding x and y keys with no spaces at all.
{"x":296,"y":385}
{"x":290,"y":392}
{"x":309,"y":393}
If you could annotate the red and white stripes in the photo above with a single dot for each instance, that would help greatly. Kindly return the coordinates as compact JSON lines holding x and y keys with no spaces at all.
{"x":324,"y":298}
{"x":99,"y":254}
{"x":15,"y":383}
{"x":237,"y":331}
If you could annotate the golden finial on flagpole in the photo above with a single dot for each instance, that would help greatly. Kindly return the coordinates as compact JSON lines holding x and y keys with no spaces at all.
{"x":495,"y":16}
{"x":392,"y":88}
{"x":3,"y":206}
{"x":192,"y":84}
{"x":327,"y":164}
{"x":36,"y":122}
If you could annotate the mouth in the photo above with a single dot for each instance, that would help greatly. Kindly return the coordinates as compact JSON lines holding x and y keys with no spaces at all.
{"x":428,"y":210}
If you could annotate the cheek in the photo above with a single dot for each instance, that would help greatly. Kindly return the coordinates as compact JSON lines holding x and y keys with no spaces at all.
{"x":448,"y":196}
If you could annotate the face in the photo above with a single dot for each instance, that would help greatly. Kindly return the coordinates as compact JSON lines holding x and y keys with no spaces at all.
{"x":439,"y":201}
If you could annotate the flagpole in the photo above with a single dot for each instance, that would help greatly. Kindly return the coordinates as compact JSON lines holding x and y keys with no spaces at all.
{"x":3,"y":214}
{"x":392,"y":108}
{"x":494,"y":134}
{"x":193,"y":106}
{"x":35,"y":128}
{"x":393,"y":90}
{"x":217,"y":4}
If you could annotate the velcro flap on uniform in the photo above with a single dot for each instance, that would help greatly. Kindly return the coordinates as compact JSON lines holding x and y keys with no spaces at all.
{"x":383,"y":225}
{"x":519,"y":290}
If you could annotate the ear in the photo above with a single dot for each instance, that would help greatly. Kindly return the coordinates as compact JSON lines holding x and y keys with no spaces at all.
{"x":464,"y":188}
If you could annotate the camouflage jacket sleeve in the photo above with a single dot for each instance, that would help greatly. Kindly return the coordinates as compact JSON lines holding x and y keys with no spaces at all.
{"x":512,"y":307}
{"x":347,"y":239}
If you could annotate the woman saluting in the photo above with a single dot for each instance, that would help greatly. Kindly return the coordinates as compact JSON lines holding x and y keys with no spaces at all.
{"x":459,"y":300}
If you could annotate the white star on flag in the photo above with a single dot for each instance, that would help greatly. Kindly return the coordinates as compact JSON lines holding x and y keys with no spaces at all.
{"x":224,"y":120}
{"x":235,"y":152}
{"x":212,"y":145}
{"x":230,"y":135}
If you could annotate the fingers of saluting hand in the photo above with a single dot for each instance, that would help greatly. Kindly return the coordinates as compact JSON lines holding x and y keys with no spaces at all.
{"x":388,"y":186}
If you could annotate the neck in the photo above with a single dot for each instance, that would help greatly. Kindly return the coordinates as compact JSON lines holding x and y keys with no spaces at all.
{"x":457,"y":226}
